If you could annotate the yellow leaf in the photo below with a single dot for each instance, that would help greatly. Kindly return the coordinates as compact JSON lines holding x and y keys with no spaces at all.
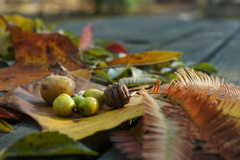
{"x":79,"y":127}
{"x":26,"y":24}
{"x":26,"y":98}
{"x":147,"y":58}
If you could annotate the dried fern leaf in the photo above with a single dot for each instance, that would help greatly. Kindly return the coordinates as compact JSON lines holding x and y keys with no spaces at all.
{"x":129,"y":141}
{"x":227,"y":95}
{"x":177,"y":114}
{"x":188,"y":75}
{"x":230,"y":105}
{"x":134,"y":82}
{"x":218,"y":130}
{"x":231,"y":89}
{"x":162,"y":140}
{"x":156,"y":87}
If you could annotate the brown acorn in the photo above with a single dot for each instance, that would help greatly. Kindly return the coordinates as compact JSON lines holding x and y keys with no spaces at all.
{"x":116,"y":95}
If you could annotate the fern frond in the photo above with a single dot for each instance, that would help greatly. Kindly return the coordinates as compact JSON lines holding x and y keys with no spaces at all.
{"x":177,"y":114}
{"x":156,"y":87}
{"x":159,"y":89}
{"x":226,"y":95}
{"x":129,"y":142}
{"x":188,"y":75}
{"x":231,"y":89}
{"x":161,"y":140}
{"x":230,"y":105}
{"x":217,"y":129}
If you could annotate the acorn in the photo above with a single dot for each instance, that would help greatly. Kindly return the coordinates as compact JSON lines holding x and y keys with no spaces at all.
{"x":116,"y":95}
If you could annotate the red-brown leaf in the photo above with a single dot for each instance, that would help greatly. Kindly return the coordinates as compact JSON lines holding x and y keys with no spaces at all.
{"x":115,"y":47}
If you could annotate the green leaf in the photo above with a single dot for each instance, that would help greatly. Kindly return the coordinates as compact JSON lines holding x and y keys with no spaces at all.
{"x":6,"y":47}
{"x":101,"y":75}
{"x":42,"y":27}
{"x":89,"y":59}
{"x":5,"y":126}
{"x":98,"y":52}
{"x":46,"y":144}
{"x":205,"y":67}
{"x":73,"y":37}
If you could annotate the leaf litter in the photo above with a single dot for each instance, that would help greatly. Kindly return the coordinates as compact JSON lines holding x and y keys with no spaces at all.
{"x":101,"y":57}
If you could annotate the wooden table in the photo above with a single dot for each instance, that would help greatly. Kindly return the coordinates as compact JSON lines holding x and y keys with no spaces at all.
{"x":202,"y":40}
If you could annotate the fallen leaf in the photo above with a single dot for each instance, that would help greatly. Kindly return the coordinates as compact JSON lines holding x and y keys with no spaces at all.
{"x":115,"y":47}
{"x":5,"y":126}
{"x":10,"y":114}
{"x":147,"y":58}
{"x":43,"y":144}
{"x":86,"y":39}
{"x":35,"y":53}
{"x":27,"y":99}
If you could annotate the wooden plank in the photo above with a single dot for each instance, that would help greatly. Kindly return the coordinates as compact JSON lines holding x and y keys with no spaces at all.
{"x":137,"y":34}
{"x":227,"y":60}
{"x":24,"y":127}
{"x":199,"y":46}
{"x":113,"y":154}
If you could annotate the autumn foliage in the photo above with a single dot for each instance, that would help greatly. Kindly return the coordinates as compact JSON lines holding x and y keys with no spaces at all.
{"x":199,"y":118}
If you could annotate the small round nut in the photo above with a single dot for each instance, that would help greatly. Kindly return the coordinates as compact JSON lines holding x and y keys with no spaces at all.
{"x":116,"y":95}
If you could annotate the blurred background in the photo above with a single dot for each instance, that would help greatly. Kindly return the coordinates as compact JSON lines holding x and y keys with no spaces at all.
{"x":60,"y":9}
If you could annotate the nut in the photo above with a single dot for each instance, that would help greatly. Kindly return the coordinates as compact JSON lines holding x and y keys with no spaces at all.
{"x":117,"y":95}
